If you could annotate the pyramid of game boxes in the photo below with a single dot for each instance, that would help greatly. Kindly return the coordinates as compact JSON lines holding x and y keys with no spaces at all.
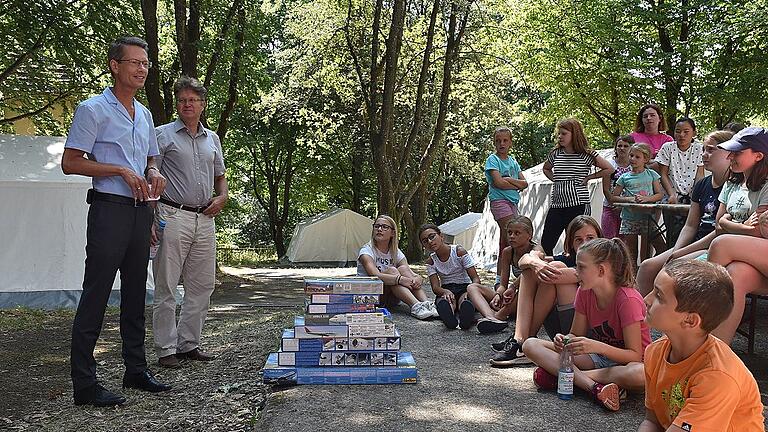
{"x":343,"y":338}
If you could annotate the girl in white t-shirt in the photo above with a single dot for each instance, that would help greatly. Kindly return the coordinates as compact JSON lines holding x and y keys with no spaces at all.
{"x":680,"y":166}
{"x":450,"y":269}
{"x":400,"y":282}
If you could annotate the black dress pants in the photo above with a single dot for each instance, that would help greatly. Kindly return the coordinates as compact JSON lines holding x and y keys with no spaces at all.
{"x":117,"y":239}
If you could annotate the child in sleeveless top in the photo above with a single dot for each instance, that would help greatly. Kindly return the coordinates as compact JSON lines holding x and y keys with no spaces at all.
{"x":496,"y":305}
{"x":450,"y":270}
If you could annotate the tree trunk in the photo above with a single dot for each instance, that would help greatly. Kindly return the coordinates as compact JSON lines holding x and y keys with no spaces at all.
{"x":152,"y":86}
{"x":234,"y":76}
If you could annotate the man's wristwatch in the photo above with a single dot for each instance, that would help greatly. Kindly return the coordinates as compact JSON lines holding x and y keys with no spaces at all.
{"x":149,"y":168}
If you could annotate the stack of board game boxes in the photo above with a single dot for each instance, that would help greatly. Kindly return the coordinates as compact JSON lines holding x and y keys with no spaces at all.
{"x":343,"y":338}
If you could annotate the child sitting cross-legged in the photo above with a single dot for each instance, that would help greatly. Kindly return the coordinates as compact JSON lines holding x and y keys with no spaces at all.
{"x":608,"y":334}
{"x":450,"y":269}
{"x":693,"y":381}
{"x":547,"y":290}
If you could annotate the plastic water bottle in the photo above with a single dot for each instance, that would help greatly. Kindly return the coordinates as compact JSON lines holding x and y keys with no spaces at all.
{"x":565,"y":374}
{"x":159,"y":234}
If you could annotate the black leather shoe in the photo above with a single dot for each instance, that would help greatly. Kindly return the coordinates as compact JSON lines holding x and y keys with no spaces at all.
{"x":195,"y":354}
{"x":144,"y":381}
{"x":97,"y":396}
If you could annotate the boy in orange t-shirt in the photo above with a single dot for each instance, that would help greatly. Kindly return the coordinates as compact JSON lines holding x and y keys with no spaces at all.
{"x":693,"y":381}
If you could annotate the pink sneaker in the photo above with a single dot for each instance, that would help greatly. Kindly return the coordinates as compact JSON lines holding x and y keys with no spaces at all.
{"x":608,"y":395}
{"x":544,"y":380}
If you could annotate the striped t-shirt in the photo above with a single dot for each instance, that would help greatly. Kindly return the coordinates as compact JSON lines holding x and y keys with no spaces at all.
{"x":569,"y":171}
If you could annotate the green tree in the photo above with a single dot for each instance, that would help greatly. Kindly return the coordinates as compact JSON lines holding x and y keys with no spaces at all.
{"x":54,"y":54}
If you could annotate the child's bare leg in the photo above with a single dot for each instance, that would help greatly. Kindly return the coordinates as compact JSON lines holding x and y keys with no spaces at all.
{"x":400,"y":292}
{"x":648,"y":270}
{"x":631,"y":241}
{"x":544,"y":355}
{"x":525,"y":304}
{"x":503,"y":233}
{"x":746,"y":279}
{"x":417,"y":293}
{"x":728,"y":248}
{"x":480,"y":296}
{"x":542,"y":306}
{"x":506,"y":311}
{"x":566,"y":294}
{"x":630,"y":376}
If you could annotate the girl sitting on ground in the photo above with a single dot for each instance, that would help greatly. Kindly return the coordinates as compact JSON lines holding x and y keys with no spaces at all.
{"x":547,"y":290}
{"x":642,"y":186}
{"x":609,"y":334}
{"x":383,"y":259}
{"x":699,"y":229}
{"x":450,"y":270}
{"x":496,"y":305}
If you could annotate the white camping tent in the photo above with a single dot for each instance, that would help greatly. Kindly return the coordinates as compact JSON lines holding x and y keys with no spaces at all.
{"x":534,"y":203}
{"x":44,"y":222}
{"x":334,"y":236}
{"x":461,"y":230}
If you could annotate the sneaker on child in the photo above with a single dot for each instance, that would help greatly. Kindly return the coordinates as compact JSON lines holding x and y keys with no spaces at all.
{"x":421,"y":310}
{"x":445,"y":311}
{"x":512,"y":355}
{"x":607,"y":395}
{"x":466,"y":314}
{"x":432,"y":307}
{"x":490,"y":325}
{"x":500,"y":346}
{"x":544,"y":380}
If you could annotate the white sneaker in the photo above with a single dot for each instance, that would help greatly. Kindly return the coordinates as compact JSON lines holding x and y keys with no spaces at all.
{"x":432,"y":308}
{"x":421,"y":311}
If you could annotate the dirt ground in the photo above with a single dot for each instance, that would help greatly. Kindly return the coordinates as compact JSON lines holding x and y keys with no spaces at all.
{"x":457,"y":390}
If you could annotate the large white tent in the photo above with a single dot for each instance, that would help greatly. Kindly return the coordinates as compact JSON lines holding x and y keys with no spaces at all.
{"x":534,"y":203}
{"x":331,"y":237}
{"x":44,"y":223}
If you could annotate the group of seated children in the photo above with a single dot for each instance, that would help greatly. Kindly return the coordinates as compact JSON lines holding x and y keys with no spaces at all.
{"x":588,"y":295}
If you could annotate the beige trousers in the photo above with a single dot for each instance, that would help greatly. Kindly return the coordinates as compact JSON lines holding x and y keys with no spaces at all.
{"x":188,"y":250}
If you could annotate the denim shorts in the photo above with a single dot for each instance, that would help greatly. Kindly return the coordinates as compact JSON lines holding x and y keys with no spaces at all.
{"x":601,"y":361}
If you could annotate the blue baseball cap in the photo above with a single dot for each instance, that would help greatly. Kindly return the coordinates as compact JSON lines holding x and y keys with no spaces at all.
{"x":755,"y":138}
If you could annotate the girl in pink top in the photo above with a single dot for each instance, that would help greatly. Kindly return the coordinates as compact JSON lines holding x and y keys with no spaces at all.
{"x":608,"y":335}
{"x":649,"y":128}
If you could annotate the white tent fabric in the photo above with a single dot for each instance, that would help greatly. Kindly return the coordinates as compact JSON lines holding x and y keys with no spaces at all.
{"x":44,"y":224}
{"x":461,"y":230}
{"x":332,"y":237}
{"x":534,"y":203}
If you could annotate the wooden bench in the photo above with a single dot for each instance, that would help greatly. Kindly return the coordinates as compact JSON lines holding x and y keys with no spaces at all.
{"x":750,"y":318}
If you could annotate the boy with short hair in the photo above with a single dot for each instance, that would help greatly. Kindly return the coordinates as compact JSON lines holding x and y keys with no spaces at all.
{"x":693,"y":381}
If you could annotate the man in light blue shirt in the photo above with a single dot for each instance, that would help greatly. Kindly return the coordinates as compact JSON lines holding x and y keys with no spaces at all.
{"x":116,"y":133}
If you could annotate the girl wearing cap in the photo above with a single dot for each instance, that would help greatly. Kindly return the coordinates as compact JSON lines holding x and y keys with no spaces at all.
{"x":742,"y":249}
{"x":699,"y":228}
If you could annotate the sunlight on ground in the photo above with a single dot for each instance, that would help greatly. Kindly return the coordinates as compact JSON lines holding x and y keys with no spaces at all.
{"x":435,"y":411}
{"x":308,"y":272}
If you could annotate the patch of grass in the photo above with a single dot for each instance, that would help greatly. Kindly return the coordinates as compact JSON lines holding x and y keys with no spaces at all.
{"x":21,"y":318}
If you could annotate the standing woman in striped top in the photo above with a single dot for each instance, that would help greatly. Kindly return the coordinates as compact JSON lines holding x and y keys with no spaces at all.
{"x":568,"y":166}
